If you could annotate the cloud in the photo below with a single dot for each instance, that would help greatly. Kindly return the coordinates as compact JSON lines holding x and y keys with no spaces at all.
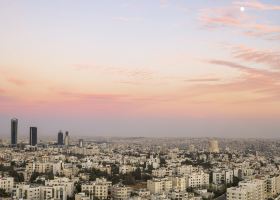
{"x":254,"y":4}
{"x":94,"y":96}
{"x":267,"y":57}
{"x":17,"y":81}
{"x":231,"y":17}
{"x":253,"y":72}
{"x":254,"y":81}
{"x":134,"y":74}
{"x":2,"y":91}
{"x":203,"y":80}
{"x":221,"y":17}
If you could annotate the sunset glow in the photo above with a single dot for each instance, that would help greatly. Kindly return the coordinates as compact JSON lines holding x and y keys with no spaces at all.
{"x":154,"y":65}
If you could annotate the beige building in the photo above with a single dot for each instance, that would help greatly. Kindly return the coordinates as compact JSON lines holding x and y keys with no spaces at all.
{"x":81,"y":196}
{"x":213,"y":146}
{"x":40,"y":167}
{"x":7,"y":183}
{"x":178,"y":183}
{"x":22,"y":191}
{"x":157,"y":186}
{"x":65,"y":182}
{"x":248,"y":190}
{"x":239,"y":193}
{"x":35,"y":192}
{"x":98,"y":189}
{"x":197,"y":180}
{"x":258,"y":187}
{"x":120,"y":192}
{"x":223,"y":177}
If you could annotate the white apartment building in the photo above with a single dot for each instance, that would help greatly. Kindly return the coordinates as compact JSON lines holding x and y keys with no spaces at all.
{"x":160,"y":172}
{"x":98,"y":189}
{"x":58,"y":181}
{"x":40,"y":167}
{"x":248,"y":190}
{"x":35,"y":192}
{"x":23,"y":191}
{"x":197,"y":180}
{"x":239,"y":193}
{"x":179,"y":195}
{"x":7,"y":183}
{"x":258,"y":186}
{"x":53,"y":192}
{"x":185,"y":169}
{"x":120,"y":192}
{"x":223,"y":177}
{"x":81,"y":196}
{"x":157,"y":186}
{"x":178,"y":183}
{"x":273,"y":186}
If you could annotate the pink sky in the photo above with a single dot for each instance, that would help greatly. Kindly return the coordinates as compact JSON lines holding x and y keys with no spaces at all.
{"x":141,"y":61}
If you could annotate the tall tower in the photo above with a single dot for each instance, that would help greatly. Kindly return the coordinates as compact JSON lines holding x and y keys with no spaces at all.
{"x":81,"y":143}
{"x":214,"y":146}
{"x":33,"y":136}
{"x":67,"y":139}
{"x":14,"y":130}
{"x":60,"y":138}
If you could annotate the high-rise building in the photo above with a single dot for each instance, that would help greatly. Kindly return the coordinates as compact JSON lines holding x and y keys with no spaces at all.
{"x":213,"y":146}
{"x":81,"y":143}
{"x":60,"y":138}
{"x":14,"y":130}
{"x":67,"y":139}
{"x":33,"y":136}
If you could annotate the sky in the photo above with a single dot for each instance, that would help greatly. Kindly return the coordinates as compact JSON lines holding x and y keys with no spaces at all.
{"x":202,"y":68}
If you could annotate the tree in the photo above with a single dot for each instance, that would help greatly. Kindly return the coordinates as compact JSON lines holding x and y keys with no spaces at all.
{"x":114,"y":169}
{"x":78,"y":188}
{"x":137,"y":174}
{"x":162,"y":161}
{"x":129,"y":179}
{"x":50,"y":175}
{"x":3,"y":193}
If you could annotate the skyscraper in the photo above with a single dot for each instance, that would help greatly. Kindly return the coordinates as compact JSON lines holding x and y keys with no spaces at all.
{"x":14,"y":129}
{"x":67,"y":138}
{"x":81,"y":143}
{"x":33,"y":136}
{"x":60,"y":138}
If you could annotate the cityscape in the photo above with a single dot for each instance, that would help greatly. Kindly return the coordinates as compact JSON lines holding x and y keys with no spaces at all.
{"x":138,"y":168}
{"x":140,"y":100}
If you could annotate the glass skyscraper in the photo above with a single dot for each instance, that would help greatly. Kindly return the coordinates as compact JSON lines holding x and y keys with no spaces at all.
{"x":14,"y":130}
{"x":60,"y":138}
{"x":33,"y":136}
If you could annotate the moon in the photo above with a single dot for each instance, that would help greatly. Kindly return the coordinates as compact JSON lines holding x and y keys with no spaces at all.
{"x":242,"y":9}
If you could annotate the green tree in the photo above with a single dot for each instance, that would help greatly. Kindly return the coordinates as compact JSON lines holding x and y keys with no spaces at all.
{"x":3,"y":193}
{"x":137,"y":174}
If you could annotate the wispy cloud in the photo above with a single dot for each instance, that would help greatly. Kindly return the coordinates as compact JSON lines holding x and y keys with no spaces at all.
{"x":259,"y":81}
{"x":254,"y":4}
{"x":135,"y":74}
{"x":232,"y":17}
{"x":203,"y":80}
{"x":16,"y":81}
{"x":2,"y":91}
{"x":94,"y":96}
{"x":267,"y":57}
{"x":222,"y":17}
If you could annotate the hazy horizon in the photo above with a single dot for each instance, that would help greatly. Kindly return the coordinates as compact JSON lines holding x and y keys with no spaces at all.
{"x":141,"y":68}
